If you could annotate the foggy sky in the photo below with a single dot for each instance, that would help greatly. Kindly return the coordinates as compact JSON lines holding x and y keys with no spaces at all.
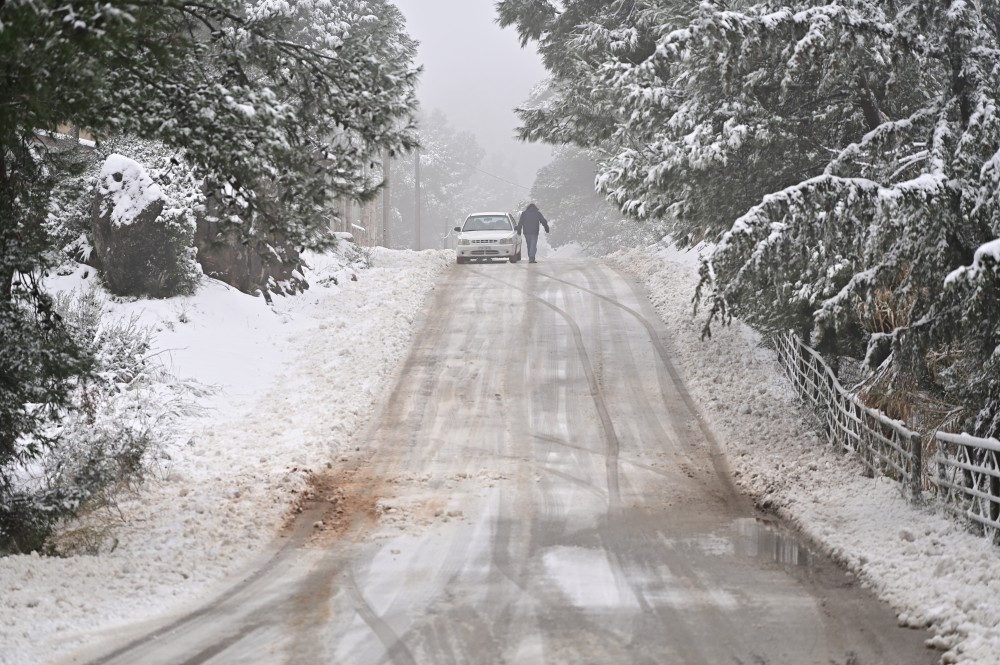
{"x":476,"y":74}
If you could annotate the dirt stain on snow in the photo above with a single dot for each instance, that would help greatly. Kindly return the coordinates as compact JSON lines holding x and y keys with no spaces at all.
{"x":335,"y":502}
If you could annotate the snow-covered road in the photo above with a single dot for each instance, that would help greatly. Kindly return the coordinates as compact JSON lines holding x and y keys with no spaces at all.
{"x":537,"y":488}
{"x":298,"y":380}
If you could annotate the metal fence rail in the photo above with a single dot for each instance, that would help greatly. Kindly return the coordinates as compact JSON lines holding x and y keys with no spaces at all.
{"x":967,"y":473}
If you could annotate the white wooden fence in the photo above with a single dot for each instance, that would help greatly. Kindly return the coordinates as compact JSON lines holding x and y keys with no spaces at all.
{"x":963,"y":471}
{"x":968,"y":479}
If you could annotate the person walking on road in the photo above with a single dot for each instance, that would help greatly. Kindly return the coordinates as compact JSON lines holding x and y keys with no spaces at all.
{"x":528,"y":224}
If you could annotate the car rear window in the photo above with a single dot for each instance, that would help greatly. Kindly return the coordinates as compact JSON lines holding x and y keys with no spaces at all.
{"x":487,"y":223}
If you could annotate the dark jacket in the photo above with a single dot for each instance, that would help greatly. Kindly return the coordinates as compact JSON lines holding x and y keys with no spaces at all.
{"x":529,"y":221}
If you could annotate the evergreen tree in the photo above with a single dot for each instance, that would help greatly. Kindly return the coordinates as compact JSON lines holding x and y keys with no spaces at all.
{"x":564,"y":189}
{"x":905,"y":218}
{"x":842,"y":153}
{"x":277,"y":106}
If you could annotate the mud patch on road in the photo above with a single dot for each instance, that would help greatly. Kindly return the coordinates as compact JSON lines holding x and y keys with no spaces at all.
{"x":335,"y":502}
{"x":357,"y":503}
{"x":413,"y":514}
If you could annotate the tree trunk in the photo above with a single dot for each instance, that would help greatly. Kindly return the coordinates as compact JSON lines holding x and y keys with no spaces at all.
{"x":6,"y":261}
{"x":386,"y":199}
{"x":870,"y":107}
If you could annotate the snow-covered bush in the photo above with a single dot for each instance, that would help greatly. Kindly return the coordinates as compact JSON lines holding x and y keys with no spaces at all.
{"x":143,"y":239}
{"x":71,"y":208}
{"x":38,"y":363}
{"x":112,"y":438}
{"x":68,"y":217}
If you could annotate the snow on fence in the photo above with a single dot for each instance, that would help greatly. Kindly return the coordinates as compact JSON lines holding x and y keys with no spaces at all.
{"x":967,"y":469}
{"x":968,"y":479}
{"x":885,"y":446}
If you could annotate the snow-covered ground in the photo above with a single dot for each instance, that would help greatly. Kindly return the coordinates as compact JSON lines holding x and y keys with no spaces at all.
{"x":293,"y":382}
{"x":928,"y":568}
{"x":297,"y":379}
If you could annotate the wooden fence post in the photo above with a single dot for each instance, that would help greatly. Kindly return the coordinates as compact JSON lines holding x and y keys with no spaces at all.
{"x":994,"y":488}
{"x":916,"y":473}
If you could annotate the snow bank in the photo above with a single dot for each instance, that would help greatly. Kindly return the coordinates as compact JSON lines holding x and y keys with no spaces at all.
{"x":570,"y":250}
{"x":929,"y":569}
{"x":294,"y":382}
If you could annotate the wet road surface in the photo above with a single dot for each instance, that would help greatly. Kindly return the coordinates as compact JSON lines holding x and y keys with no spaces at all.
{"x":538,"y":488}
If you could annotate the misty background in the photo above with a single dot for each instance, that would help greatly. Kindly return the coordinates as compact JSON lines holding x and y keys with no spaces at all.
{"x":474,"y":75}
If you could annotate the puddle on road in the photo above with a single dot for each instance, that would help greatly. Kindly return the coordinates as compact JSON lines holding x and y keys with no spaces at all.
{"x":768,"y":542}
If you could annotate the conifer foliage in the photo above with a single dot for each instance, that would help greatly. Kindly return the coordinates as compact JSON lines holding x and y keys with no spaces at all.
{"x":566,"y":185}
{"x":277,"y":105}
{"x":843,"y":155}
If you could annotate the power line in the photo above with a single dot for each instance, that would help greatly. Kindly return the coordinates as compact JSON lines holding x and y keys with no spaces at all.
{"x":493,"y":175}
{"x":476,"y":168}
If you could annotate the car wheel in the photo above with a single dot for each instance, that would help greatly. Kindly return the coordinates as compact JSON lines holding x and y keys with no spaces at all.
{"x":459,"y":260}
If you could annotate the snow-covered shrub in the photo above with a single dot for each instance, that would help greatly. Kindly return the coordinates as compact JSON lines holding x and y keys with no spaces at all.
{"x":75,"y":169}
{"x":71,"y":209}
{"x":113,"y":438}
{"x":38,"y":364}
{"x":357,"y":256}
{"x":143,"y":239}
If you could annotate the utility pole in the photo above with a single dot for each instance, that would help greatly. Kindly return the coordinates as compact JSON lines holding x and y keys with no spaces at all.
{"x":416,"y":177}
{"x":345,"y":215}
{"x":386,"y":199}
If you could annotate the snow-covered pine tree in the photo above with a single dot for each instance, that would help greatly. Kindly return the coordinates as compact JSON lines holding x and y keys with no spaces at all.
{"x":895,"y":242}
{"x":577,"y":39}
{"x":849,"y":144}
{"x":279,"y":104}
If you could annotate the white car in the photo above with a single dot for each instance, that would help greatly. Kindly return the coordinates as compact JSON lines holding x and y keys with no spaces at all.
{"x":486,"y":236}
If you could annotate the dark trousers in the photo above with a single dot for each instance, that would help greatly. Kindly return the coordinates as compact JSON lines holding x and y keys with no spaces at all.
{"x":532,"y":240}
